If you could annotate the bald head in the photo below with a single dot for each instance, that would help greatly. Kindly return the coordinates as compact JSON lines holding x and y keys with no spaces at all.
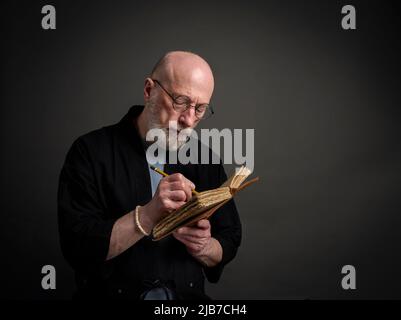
{"x":185,"y":71}
{"x":178,"y":73}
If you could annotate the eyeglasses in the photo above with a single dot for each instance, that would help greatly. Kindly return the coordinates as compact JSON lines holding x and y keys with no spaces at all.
{"x":182,"y":103}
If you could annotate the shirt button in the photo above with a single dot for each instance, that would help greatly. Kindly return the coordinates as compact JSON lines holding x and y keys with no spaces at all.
{"x":191,"y":284}
{"x":119,"y":291}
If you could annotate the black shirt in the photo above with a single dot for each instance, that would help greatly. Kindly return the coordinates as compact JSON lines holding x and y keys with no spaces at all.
{"x":105,"y":176}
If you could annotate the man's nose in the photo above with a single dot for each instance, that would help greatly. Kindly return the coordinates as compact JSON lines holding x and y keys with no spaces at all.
{"x":188,"y":119}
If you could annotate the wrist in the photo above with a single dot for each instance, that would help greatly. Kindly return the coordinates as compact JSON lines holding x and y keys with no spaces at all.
{"x":211,"y":254}
{"x":204,"y":252}
{"x":146,"y":219}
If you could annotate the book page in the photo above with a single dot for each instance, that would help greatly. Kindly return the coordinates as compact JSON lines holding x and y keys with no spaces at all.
{"x":237,"y":178}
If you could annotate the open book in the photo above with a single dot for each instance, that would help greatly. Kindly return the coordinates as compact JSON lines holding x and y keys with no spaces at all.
{"x":202,"y":205}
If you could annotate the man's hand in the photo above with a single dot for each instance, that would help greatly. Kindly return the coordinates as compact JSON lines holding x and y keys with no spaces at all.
{"x":172,"y":192}
{"x":200,"y":244}
{"x":196,"y":239}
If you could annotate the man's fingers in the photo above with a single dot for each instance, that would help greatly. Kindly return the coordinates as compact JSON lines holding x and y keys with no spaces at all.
{"x":180,"y":185}
{"x":180,"y":177}
{"x":177,"y":195}
{"x":184,"y":230}
{"x":170,"y":205}
{"x":204,"y":224}
{"x":187,"y":238}
{"x":194,"y":232}
{"x":177,"y":185}
{"x":189,"y":244}
{"x":192,"y":244}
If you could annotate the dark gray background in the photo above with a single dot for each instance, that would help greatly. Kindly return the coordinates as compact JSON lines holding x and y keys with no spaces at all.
{"x":325,"y":104}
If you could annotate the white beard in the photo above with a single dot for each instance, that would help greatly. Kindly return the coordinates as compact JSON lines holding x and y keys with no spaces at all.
{"x":174,"y":136}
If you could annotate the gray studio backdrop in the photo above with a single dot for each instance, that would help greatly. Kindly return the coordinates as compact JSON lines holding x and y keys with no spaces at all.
{"x":324,"y":103}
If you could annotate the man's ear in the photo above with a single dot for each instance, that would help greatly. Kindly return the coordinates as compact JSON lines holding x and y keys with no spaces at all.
{"x":149,"y":84}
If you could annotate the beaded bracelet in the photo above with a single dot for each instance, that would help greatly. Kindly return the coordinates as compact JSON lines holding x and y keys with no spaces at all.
{"x":138,"y":224}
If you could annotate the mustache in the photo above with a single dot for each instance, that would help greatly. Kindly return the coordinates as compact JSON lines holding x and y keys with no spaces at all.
{"x":178,"y":129}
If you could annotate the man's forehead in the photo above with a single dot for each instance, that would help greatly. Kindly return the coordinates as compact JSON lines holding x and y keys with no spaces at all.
{"x":198,"y":94}
{"x":194,"y":86}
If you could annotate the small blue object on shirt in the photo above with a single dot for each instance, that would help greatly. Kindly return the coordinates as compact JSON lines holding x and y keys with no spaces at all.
{"x":155,"y":177}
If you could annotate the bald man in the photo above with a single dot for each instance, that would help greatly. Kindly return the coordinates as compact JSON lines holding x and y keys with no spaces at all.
{"x":109,"y":199}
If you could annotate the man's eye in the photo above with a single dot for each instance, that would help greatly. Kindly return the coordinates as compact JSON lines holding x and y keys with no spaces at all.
{"x":201,"y":109}
{"x":181,"y":100}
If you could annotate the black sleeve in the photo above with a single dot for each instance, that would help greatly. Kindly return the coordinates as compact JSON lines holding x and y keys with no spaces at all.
{"x":84,"y":230}
{"x":226,"y":228}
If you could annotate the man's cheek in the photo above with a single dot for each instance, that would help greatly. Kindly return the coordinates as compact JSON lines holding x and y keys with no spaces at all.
{"x":164,"y":115}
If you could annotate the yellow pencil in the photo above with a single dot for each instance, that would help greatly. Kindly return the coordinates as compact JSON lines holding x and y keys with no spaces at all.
{"x":166,"y":175}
